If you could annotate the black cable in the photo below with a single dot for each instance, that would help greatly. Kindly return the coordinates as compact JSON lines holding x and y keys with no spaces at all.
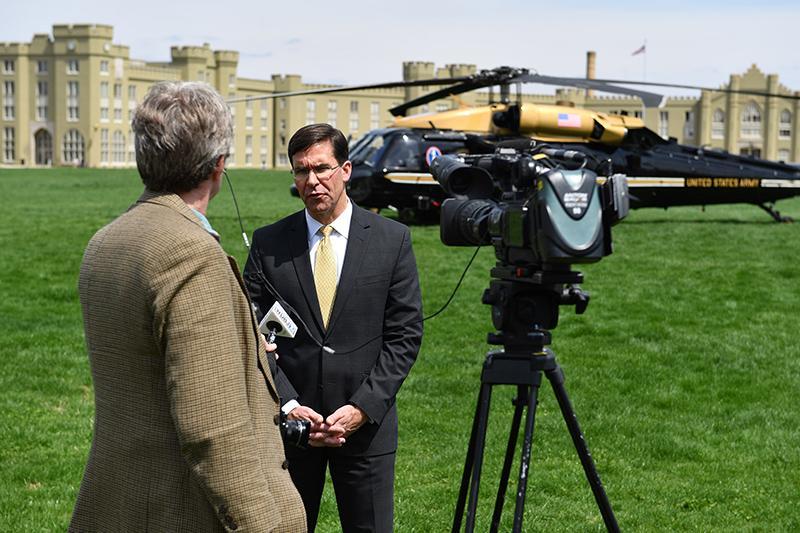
{"x":236,"y":205}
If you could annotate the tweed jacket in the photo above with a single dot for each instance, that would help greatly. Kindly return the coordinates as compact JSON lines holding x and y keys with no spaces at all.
{"x":185,"y":434}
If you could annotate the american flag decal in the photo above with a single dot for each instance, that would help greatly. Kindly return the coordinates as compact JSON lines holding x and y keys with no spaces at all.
{"x":569,"y":120}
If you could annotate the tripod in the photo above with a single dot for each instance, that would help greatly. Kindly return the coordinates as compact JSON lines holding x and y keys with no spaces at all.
{"x":522,"y":363}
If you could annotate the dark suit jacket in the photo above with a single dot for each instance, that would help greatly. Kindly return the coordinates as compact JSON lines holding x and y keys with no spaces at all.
{"x":375,"y":326}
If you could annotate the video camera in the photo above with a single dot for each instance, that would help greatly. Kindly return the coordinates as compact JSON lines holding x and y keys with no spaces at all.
{"x":542,"y":210}
{"x":534,"y":212}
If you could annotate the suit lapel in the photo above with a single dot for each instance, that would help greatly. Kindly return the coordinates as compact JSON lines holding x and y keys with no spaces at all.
{"x":298,"y":244}
{"x":356,"y":247}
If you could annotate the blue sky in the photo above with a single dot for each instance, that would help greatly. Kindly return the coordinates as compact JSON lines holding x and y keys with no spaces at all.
{"x":698,"y":43}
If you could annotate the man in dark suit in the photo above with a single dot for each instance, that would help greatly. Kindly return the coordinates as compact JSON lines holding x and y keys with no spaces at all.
{"x":351,"y":277}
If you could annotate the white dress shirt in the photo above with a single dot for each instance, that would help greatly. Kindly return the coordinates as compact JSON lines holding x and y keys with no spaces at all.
{"x":341,"y":230}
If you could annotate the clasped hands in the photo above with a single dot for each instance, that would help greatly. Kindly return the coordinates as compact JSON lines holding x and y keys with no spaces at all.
{"x":334,"y":430}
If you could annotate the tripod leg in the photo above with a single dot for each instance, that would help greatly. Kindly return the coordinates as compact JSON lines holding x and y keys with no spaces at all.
{"x":519,"y":402}
{"x":556,"y":377}
{"x":525,"y":461}
{"x":472,"y":466}
{"x":462,"y":493}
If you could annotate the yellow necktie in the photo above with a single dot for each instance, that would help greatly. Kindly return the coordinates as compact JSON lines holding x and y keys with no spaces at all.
{"x":325,"y":274}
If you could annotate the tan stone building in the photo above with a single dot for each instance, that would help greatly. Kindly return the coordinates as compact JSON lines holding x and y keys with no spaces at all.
{"x":67,"y":99}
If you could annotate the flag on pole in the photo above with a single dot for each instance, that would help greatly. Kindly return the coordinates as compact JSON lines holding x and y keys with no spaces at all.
{"x":642,"y":49}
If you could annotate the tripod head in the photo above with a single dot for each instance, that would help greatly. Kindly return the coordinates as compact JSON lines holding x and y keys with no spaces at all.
{"x":525,"y":302}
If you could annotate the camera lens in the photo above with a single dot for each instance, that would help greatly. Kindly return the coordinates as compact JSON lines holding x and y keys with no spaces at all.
{"x":295,"y":432}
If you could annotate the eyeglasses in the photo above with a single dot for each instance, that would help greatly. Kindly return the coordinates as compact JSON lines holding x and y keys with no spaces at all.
{"x":322,"y":172}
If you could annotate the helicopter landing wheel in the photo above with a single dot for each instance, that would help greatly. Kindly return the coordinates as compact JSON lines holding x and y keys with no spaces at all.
{"x":775,"y":214}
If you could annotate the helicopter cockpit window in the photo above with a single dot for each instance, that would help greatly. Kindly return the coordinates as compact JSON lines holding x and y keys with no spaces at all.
{"x":404,"y":154}
{"x":368,"y":150}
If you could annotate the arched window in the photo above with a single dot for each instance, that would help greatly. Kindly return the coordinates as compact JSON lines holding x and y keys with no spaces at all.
{"x":751,"y":121}
{"x":44,"y":147}
{"x":785,"y":125}
{"x":73,"y":151}
{"x":718,"y":124}
{"x":118,"y":147}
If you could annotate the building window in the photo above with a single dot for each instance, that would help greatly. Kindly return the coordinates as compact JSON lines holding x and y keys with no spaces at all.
{"x":248,"y":150}
{"x":41,"y":67}
{"x":264,"y":123}
{"x":104,"y":67}
{"x":263,"y":151}
{"x":118,"y":147}
{"x":104,"y":100}
{"x":104,"y":145}
{"x":8,"y":145}
{"x":41,"y":100}
{"x":751,"y":121}
{"x":72,"y":100}
{"x":118,"y":102}
{"x":73,"y":147}
{"x":353,"y":117}
{"x":131,"y":100}
{"x":73,"y":66}
{"x":718,"y":124}
{"x":8,"y":66}
{"x":441,"y":108}
{"x":43,"y":143}
{"x":783,"y":155}
{"x":283,"y":160}
{"x":688,"y":125}
{"x":248,"y":114}
{"x":231,"y":80}
{"x":8,"y":100}
{"x":785,"y":125}
{"x":282,"y":103}
{"x":663,"y":124}
{"x":332,"y":112}
{"x":311,"y":111}
{"x":637,"y":114}
{"x":374,"y":116}
{"x":750,"y":151}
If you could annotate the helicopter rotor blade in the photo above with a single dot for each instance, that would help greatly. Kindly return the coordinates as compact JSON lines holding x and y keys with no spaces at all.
{"x":400,"y":110}
{"x":505,"y":76}
{"x":346,"y":88}
{"x":648,"y":99}
{"x":701,"y":88}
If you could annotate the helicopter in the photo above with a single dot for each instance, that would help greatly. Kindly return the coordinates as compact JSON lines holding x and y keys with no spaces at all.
{"x":391,"y":165}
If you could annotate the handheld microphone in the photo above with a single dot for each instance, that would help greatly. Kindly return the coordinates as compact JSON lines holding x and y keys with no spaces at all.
{"x":277,"y":322}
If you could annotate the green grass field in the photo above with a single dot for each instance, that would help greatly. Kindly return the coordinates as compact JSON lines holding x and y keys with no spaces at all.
{"x":684,"y":371}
